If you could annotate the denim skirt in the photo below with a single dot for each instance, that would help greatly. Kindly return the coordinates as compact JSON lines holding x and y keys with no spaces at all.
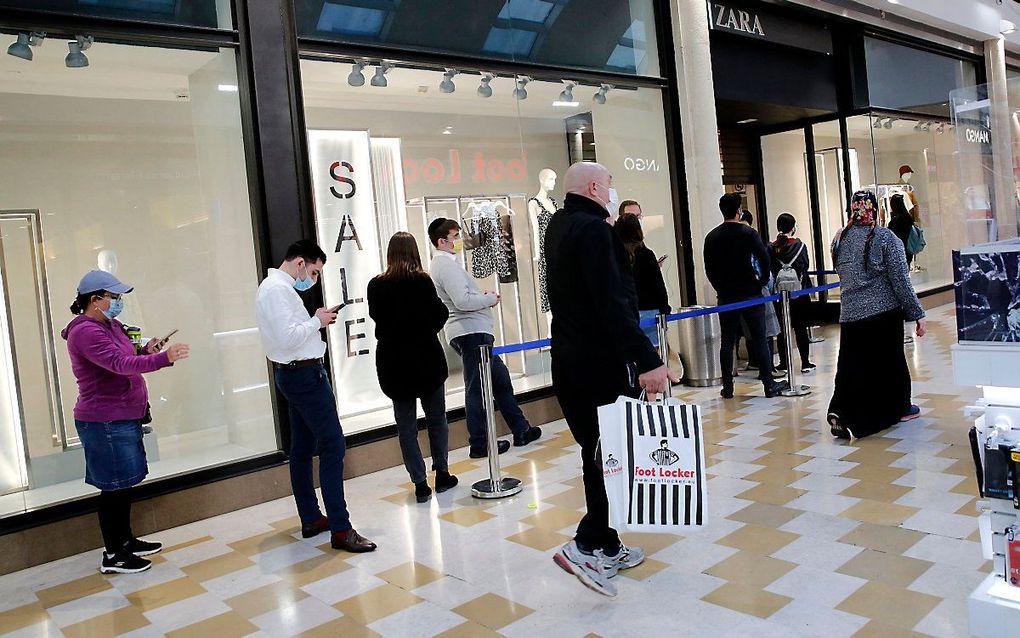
{"x":114,"y":454}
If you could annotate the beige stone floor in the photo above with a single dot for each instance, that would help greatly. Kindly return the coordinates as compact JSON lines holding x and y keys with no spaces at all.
{"x":806,"y":537}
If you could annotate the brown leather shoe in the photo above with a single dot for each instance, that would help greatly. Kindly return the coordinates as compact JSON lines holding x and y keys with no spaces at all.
{"x":315,"y":528}
{"x":351,"y":541}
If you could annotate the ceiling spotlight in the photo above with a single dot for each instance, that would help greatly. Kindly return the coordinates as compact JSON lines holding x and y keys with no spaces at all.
{"x":888,"y":123}
{"x":877,"y":123}
{"x":357,"y":75}
{"x":448,"y":130}
{"x":520,"y":92}
{"x":447,"y":85}
{"x":379,"y":79}
{"x":20,"y":49}
{"x":75,"y":59}
{"x":600,"y":97}
{"x":484,"y":90}
{"x":940,"y":128}
{"x":36,"y":39}
{"x":566,"y":97}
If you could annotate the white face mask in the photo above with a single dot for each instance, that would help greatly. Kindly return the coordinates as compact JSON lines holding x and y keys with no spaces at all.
{"x":612,"y":204}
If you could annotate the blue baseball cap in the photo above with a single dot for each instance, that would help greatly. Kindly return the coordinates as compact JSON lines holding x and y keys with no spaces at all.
{"x":96,"y":280}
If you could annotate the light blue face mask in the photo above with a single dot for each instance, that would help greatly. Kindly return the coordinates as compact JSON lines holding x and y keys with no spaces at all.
{"x":303,"y":284}
{"x":116,"y":307}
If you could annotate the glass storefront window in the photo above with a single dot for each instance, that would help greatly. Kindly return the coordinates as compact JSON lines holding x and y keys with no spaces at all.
{"x":135,"y":166}
{"x":601,"y":35}
{"x":906,"y":78}
{"x":214,"y":14}
{"x":446,"y":146}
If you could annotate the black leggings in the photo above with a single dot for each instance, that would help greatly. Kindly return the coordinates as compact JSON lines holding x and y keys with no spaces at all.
{"x":799,"y":309}
{"x":115,"y":518}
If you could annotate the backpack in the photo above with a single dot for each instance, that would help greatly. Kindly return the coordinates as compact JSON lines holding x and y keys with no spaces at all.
{"x":916,"y":242}
{"x":787,"y":279}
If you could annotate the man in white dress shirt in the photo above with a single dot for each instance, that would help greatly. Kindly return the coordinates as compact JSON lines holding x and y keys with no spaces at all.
{"x":293,"y":343}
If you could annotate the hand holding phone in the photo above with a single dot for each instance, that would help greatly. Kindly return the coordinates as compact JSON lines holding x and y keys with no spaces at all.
{"x":155,"y":346}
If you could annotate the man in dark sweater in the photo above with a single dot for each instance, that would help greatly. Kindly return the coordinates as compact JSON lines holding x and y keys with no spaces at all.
{"x":599,"y":353}
{"x":738,"y":266}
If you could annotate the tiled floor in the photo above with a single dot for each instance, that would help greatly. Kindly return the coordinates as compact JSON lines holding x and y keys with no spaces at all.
{"x":807,"y":537}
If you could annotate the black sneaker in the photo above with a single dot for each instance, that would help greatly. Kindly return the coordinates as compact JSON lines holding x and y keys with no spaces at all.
{"x":808,"y":368}
{"x":138,"y":547}
{"x":477,"y":453}
{"x":838,"y":428}
{"x":530,"y":435}
{"x":726,"y":392}
{"x":445,"y":481}
{"x":776,"y":389}
{"x":422,"y":492}
{"x":123,"y":563}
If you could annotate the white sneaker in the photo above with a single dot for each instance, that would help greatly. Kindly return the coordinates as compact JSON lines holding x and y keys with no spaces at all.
{"x":627,"y":558}
{"x":590,"y":569}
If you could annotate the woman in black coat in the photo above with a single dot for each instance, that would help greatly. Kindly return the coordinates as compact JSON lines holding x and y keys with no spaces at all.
{"x":901,"y":223}
{"x":410,"y":361}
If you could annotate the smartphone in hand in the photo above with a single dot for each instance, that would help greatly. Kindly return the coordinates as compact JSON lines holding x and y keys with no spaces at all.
{"x":162,"y":342}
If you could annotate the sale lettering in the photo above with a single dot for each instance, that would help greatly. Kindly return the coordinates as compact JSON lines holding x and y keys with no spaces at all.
{"x":348,"y":233}
{"x":476,"y":170}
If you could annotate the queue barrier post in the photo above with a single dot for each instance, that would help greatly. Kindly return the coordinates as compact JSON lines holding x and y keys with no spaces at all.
{"x":662,"y":326}
{"x":795,"y":389}
{"x":497,"y":485}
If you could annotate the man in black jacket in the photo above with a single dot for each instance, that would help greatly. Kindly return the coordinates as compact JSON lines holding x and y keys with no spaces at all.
{"x":738,"y":266}
{"x":598,"y":353}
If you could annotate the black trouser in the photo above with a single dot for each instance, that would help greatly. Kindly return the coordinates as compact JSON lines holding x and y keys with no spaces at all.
{"x":115,"y":518}
{"x":799,"y":309}
{"x":581,"y":386}
{"x":751,"y":323}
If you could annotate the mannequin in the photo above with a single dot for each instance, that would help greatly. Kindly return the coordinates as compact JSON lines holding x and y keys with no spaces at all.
{"x":540,"y":210}
{"x":906,"y":173}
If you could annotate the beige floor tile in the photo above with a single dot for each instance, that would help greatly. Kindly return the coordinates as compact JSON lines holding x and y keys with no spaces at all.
{"x":465,"y":466}
{"x":264,"y":599}
{"x":759,"y":540}
{"x":217,"y":566}
{"x":163,"y":594}
{"x":890,"y":605}
{"x":648,"y":568}
{"x":778,"y":474}
{"x":898,"y":571}
{"x":747,"y":599}
{"x":875,"y":629}
{"x":403,"y":497}
{"x":748,"y":568}
{"x":968,"y":487}
{"x":466,"y":516}
{"x":889,"y":514}
{"x":341,"y":627}
{"x":121,"y":621}
{"x":553,"y":518}
{"x":492,"y":611}
{"x":261,"y":543}
{"x":572,"y":499}
{"x":80,"y":588}
{"x":886,"y":475}
{"x":765,"y":515}
{"x":545,"y":454}
{"x":891,"y":540}
{"x":876,"y":491}
{"x":194,"y":541}
{"x":24,"y":616}
{"x":228,"y":625}
{"x":785,"y":446}
{"x":410,"y":575}
{"x":314,"y":569}
{"x":651,"y":542}
{"x":469,"y":630}
{"x":539,"y":538}
{"x":771,"y":493}
{"x":962,"y":467}
{"x":287,"y":525}
{"x":874,"y":457}
{"x":526,"y":470}
{"x":377,"y":603}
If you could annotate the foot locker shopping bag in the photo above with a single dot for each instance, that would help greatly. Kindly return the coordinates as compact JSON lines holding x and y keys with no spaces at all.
{"x":653,"y":462}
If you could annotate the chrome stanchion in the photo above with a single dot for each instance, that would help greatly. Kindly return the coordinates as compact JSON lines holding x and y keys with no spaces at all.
{"x":662,"y":327}
{"x":497,"y":485}
{"x":795,"y":390}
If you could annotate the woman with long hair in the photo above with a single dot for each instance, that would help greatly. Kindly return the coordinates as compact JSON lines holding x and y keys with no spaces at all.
{"x":112,"y":402}
{"x":872,"y":387}
{"x":410,"y":361}
{"x":901,"y":223}
{"x":653,"y":298}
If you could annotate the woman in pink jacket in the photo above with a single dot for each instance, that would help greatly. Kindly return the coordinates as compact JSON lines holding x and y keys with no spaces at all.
{"x":112,"y":401}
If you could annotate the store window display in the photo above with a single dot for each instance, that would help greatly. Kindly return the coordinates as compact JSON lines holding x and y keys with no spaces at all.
{"x":485,"y":150}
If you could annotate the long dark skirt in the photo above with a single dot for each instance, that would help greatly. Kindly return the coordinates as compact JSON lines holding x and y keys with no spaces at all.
{"x":872,"y":379}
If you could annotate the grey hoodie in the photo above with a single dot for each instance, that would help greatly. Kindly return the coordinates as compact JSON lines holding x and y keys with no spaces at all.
{"x":468,"y":306}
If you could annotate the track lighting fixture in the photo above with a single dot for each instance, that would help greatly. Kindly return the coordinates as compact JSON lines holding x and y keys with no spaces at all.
{"x":447,"y":85}
{"x":21,"y":48}
{"x":36,"y":39}
{"x":379,"y":79}
{"x":520,"y":92}
{"x":566,"y":97}
{"x":75,"y":59}
{"x":888,"y":123}
{"x":877,"y":123}
{"x":357,"y":75}
{"x":484,"y":90}
{"x":600,"y":97}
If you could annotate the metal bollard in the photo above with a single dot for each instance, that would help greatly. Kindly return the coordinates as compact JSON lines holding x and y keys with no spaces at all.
{"x":663,"y":329}
{"x":796,"y":390}
{"x":496,"y":486}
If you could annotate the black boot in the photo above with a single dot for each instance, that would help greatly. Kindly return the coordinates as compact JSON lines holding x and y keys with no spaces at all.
{"x":422,"y":492}
{"x":444,"y":481}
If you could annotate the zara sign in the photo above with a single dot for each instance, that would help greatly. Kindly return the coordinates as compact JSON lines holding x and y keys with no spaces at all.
{"x":748,"y":21}
{"x":726,"y":17}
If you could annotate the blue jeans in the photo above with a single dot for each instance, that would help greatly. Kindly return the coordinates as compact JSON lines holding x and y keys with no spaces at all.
{"x":114,"y":454}
{"x":315,"y":429}
{"x":406,"y":415}
{"x":503,"y":390}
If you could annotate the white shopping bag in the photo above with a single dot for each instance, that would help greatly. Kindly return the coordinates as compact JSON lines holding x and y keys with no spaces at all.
{"x":653,"y":462}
